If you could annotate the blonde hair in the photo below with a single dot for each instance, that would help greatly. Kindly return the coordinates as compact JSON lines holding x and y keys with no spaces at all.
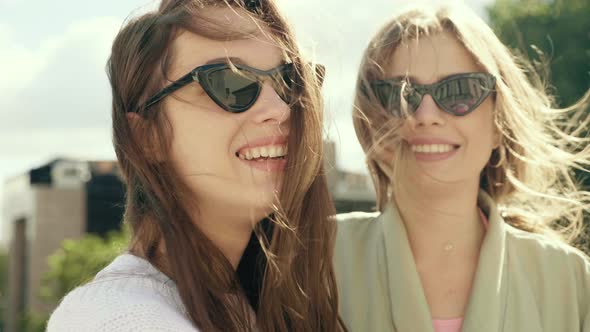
{"x":530,"y":175}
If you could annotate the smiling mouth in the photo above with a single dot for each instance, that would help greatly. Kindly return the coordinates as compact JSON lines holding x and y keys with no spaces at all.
{"x":433,"y":148}
{"x":262,"y":153}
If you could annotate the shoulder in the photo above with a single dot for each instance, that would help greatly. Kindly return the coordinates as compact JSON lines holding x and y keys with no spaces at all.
{"x":540,"y":252}
{"x":353,"y":221}
{"x":94,"y":310}
{"x":356,"y":231}
{"x":122,"y":301}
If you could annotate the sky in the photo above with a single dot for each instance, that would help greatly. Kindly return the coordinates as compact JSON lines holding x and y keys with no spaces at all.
{"x":55,"y":96}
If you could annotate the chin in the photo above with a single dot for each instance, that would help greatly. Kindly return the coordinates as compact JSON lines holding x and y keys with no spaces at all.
{"x":266,"y":188}
{"x":261,"y":201}
{"x":257,"y":213}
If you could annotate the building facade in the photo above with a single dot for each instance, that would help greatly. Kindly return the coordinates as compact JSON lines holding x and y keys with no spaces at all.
{"x":63,"y":199}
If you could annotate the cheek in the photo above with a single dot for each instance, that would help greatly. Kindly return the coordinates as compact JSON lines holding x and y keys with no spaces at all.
{"x":201,"y":143}
{"x":481,"y":137}
{"x":487,"y":126}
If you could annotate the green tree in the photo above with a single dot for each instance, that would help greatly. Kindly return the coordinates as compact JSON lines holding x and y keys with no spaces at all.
{"x":558,"y":28}
{"x":555,"y":36}
{"x":33,"y":322}
{"x":73,"y":264}
{"x":77,"y":261}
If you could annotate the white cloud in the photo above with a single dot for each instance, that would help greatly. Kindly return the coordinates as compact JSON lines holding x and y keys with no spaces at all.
{"x":8,"y":2}
{"x":61,"y":83}
{"x":48,"y":143}
{"x":17,"y":64}
{"x":55,"y":97}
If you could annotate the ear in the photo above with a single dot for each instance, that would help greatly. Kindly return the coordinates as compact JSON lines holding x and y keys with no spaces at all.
{"x":497,"y":138}
{"x":133,"y":118}
{"x":384,"y":158}
{"x":496,"y":131}
{"x":136,"y":123}
{"x":139,"y":130}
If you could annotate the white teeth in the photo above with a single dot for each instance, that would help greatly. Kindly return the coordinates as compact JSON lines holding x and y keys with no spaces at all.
{"x":432,"y":148}
{"x":271,"y":151}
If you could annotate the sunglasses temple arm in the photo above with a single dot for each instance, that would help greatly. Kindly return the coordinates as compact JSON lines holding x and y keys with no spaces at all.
{"x":185,"y":80}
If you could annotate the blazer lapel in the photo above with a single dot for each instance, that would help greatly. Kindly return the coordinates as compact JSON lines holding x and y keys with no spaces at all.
{"x":485,"y":311}
{"x":408,"y":302}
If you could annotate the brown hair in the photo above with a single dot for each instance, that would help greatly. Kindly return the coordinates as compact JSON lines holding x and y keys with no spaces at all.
{"x":298,"y":292}
{"x":530,"y":174}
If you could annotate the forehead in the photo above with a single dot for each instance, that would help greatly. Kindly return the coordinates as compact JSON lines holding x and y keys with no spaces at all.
{"x":254,"y":46}
{"x":431,"y":58}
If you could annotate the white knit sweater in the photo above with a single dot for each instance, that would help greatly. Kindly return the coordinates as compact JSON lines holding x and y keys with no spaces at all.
{"x":128,"y":295}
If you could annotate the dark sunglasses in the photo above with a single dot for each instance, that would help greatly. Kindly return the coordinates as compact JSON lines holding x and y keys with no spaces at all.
{"x":458,"y":94}
{"x":235,"y":88}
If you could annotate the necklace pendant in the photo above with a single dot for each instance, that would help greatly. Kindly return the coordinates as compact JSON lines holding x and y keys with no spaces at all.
{"x":449,"y":246}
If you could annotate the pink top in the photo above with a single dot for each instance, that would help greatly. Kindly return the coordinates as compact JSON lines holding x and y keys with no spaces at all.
{"x":454,"y":325}
{"x":447,"y":325}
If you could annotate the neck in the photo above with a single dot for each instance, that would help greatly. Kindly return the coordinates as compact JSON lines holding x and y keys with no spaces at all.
{"x":228,"y":230}
{"x":440,"y":217}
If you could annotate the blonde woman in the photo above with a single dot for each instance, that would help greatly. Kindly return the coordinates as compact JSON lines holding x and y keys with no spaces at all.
{"x":217,"y":130}
{"x":472,"y":167}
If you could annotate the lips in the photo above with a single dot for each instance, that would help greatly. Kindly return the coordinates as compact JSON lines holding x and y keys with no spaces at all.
{"x":264,"y":148}
{"x":261,"y":152}
{"x":267,"y":154}
{"x":432,"y":149}
{"x":431,"y":140}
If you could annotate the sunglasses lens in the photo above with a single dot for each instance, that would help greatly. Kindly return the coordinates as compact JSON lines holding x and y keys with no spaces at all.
{"x":413,"y":97}
{"x":388,"y":95}
{"x":460,"y":95}
{"x":235,"y":89}
{"x":282,"y":82}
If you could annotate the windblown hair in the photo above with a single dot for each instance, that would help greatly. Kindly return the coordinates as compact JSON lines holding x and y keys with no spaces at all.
{"x":298,"y":290}
{"x":530,"y":176}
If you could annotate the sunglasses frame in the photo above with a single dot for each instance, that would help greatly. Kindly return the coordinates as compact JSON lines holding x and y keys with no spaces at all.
{"x":200,"y":75}
{"x":489,"y":81}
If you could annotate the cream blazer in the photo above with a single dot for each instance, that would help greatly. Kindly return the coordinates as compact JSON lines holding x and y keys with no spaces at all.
{"x":524,"y":282}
